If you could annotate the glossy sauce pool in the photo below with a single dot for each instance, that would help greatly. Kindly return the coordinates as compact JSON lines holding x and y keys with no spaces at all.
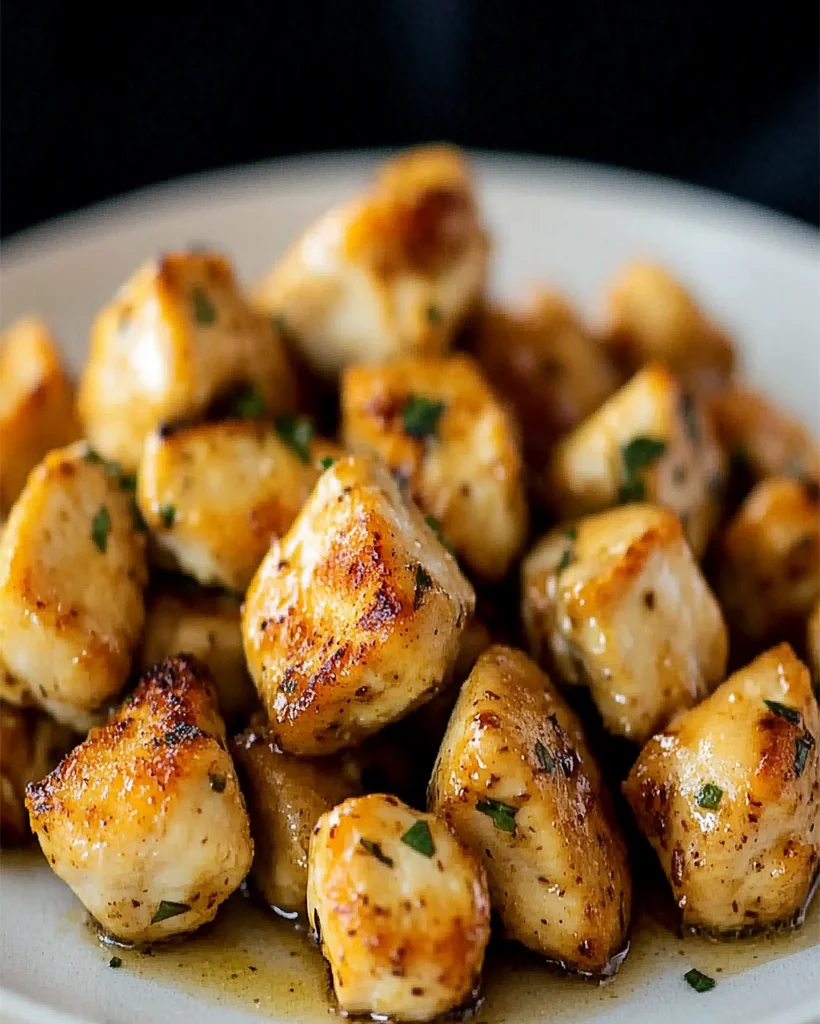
{"x":251,"y":960}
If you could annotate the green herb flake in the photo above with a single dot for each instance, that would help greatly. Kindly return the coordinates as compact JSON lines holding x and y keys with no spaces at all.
{"x":249,"y":405}
{"x":502,"y":814}
{"x":545,"y":759}
{"x":297,"y":433}
{"x":137,"y":520}
{"x":433,"y":314}
{"x":217,"y":782}
{"x":636,"y":456}
{"x":376,"y":851}
{"x":698,"y":981}
{"x":100,"y":528}
{"x":128,"y":482}
{"x":420,"y":416}
{"x":422,"y":585}
{"x":783,"y":711}
{"x":567,"y":558}
{"x":204,"y":309}
{"x":709,"y":796}
{"x":435,"y":526}
{"x":167,"y":515}
{"x":167,"y":909}
{"x":115,"y":962}
{"x":93,"y":457}
{"x":802,"y":749}
{"x":326,"y":462}
{"x":418,"y":838}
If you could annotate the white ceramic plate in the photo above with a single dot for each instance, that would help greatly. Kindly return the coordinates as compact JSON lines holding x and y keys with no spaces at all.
{"x":564,"y":223}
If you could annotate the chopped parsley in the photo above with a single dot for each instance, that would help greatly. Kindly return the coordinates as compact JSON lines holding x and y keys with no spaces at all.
{"x":420,"y":416}
{"x":433,"y":314}
{"x":115,"y":961}
{"x":168,"y":908}
{"x":327,"y":462}
{"x":709,"y":796}
{"x":100,"y":528}
{"x":297,"y":433}
{"x":418,"y":837}
{"x":435,"y":526}
{"x":204,"y":309}
{"x":113,"y":470}
{"x":423,"y":584}
{"x":568,"y":556}
{"x":802,"y":749}
{"x":249,"y":404}
{"x":689,"y":411}
{"x":783,"y":711}
{"x":636,"y":456}
{"x":167,"y":515}
{"x":376,"y":851}
{"x":502,"y":814}
{"x":217,"y":782}
{"x":545,"y":759}
{"x":700,"y":982}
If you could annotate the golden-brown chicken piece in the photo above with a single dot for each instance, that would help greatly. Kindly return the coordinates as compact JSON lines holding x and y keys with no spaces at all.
{"x":392,"y":272}
{"x":729,"y":797}
{"x":145,"y":819}
{"x":518,"y":784}
{"x":177,"y":336}
{"x":355,"y":617}
{"x":286,"y":797}
{"x":650,"y":316}
{"x":649,"y":442}
{"x":217,"y":494}
{"x":439,"y":427}
{"x":617,"y":602}
{"x":31,"y":744}
{"x":207,"y":624}
{"x":769,"y":561}
{"x":547,"y":365}
{"x":761,"y":439}
{"x":72,"y":573}
{"x":36,"y":404}
{"x":401,"y":908}
{"x":813,"y":645}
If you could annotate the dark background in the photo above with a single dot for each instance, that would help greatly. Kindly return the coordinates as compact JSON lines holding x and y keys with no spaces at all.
{"x":720,"y":94}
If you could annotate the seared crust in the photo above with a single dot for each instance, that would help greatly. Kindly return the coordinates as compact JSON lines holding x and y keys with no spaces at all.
{"x":588,"y":590}
{"x":467,"y":472}
{"x":404,"y":930}
{"x":147,"y":811}
{"x":354,"y":618}
{"x":72,"y":573}
{"x":392,"y":272}
{"x":547,"y":834}
{"x":742,"y":855}
{"x":36,"y":404}
{"x":176,"y":337}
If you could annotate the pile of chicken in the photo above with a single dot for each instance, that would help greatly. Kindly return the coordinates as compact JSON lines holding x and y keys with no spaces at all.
{"x":638,"y":504}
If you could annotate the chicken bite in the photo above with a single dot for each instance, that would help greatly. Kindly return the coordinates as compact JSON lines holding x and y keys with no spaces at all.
{"x":72,"y":573}
{"x":617,"y":603}
{"x":439,"y":427}
{"x":217,"y":494}
{"x":182,"y":619}
{"x":769,"y":561}
{"x":178,"y":336}
{"x":145,"y":820}
{"x":651,"y":316}
{"x":31,"y":744}
{"x":761,"y":439}
{"x":286,"y":797}
{"x":392,"y":272}
{"x":36,"y":404}
{"x":650,"y":441}
{"x":400,"y":907}
{"x":354,"y":618}
{"x":546,"y":364}
{"x":728,"y":797}
{"x":517,"y":782}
